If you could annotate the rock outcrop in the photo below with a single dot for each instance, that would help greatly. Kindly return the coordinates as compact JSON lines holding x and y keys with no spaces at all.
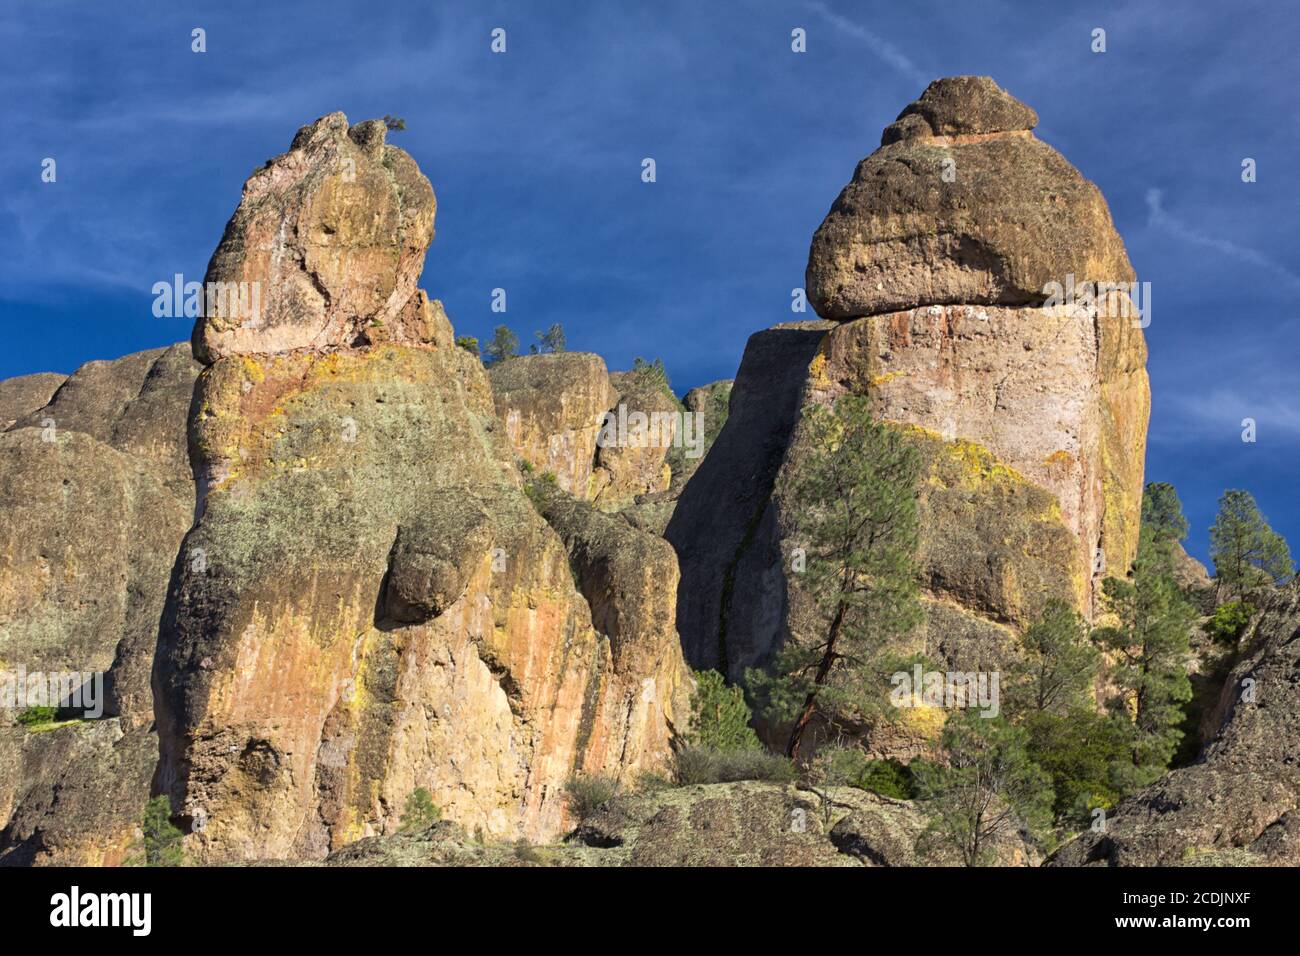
{"x":25,"y":394}
{"x":1239,"y":803}
{"x":960,"y":205}
{"x":728,"y":824}
{"x":1030,"y":416}
{"x":97,"y":497}
{"x":638,"y":466}
{"x":378,"y":607}
{"x":327,"y":243}
{"x":552,"y":406}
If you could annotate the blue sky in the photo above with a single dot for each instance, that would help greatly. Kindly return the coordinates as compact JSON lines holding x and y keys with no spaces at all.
{"x":535,"y":156}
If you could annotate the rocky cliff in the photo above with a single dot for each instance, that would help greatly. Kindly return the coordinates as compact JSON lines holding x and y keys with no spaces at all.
{"x":1239,"y":803}
{"x":378,"y":607}
{"x":97,"y":497}
{"x":365,"y":601}
{"x":932,"y":272}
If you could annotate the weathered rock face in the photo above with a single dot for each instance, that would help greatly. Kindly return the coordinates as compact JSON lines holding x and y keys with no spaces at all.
{"x":328,"y":242}
{"x":638,"y":466}
{"x":379,"y":607}
{"x":708,"y":407}
{"x":25,"y":394}
{"x":1033,"y":388}
{"x":1031,"y":421}
{"x":728,"y":824}
{"x":960,"y":205}
{"x":97,"y":497}
{"x":629,"y":578}
{"x":552,"y":406}
{"x":1240,"y":802}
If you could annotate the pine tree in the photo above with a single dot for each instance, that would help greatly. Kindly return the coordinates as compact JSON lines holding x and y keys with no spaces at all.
{"x":504,"y":345}
{"x":1150,"y":641}
{"x":1245,"y":549}
{"x":719,"y":715}
{"x":1059,"y":665}
{"x":1162,"y":514}
{"x":163,"y":844}
{"x":552,"y":340}
{"x":420,"y":811}
{"x":988,"y":788}
{"x":852,"y":503}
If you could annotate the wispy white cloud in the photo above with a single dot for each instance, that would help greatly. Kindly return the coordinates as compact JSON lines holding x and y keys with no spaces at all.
{"x":1157,"y":218}
{"x":878,"y":45}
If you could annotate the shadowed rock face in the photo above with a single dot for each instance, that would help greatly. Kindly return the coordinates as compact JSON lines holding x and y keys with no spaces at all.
{"x":378,"y":606}
{"x":719,"y":513}
{"x":960,"y":205}
{"x":1239,"y":803}
{"x":97,"y":496}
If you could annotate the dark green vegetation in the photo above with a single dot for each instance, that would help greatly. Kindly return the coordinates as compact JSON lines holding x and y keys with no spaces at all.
{"x":1089,"y":716}
{"x":420,"y":812}
{"x":503,"y":346}
{"x":162,"y":841}
{"x":855,"y":503}
{"x":1247,"y":552}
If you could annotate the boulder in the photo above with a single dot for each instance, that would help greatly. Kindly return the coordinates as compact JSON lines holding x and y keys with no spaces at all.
{"x":961,"y":204}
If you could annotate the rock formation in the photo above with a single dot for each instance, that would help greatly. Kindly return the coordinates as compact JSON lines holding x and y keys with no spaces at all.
{"x":377,"y":606}
{"x":97,"y":496}
{"x":1239,"y":803}
{"x":731,"y":824}
{"x":1010,"y":216}
{"x":1030,"y":414}
{"x":611,"y":439}
{"x":327,"y":243}
{"x":552,"y":406}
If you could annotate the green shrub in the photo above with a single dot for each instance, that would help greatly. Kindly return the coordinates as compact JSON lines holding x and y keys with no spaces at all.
{"x":1081,"y":753}
{"x":420,"y":812}
{"x":1229,"y":621}
{"x":539,"y":489}
{"x":706,"y":765}
{"x":719,"y":715}
{"x":889,"y":778}
{"x":163,"y":844}
{"x":469,"y":344}
{"x":525,"y":852}
{"x":37,"y":715}
{"x":839,"y":766}
{"x":589,"y":792}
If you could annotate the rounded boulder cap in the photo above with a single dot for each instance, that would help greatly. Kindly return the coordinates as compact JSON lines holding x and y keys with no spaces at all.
{"x":958,"y":106}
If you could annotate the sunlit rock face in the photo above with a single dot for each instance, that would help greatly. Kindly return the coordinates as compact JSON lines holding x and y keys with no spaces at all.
{"x":379,"y":606}
{"x":327,"y":243}
{"x":933,"y":273}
